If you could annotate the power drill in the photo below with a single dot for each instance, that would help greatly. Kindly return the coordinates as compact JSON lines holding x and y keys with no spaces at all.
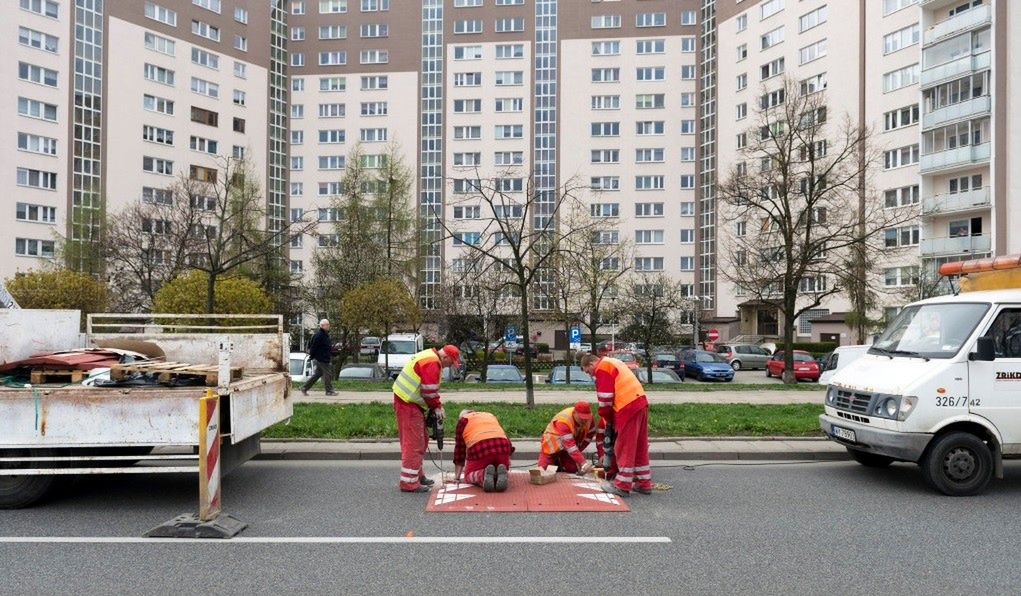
{"x":435,"y":427}
{"x":609,"y":437}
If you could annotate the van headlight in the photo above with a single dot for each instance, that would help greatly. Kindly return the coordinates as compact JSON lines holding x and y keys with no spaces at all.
{"x":831,"y":395}
{"x":887,"y":406}
{"x":907,"y":405}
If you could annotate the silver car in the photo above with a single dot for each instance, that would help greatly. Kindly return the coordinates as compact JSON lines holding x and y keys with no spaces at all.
{"x":747,"y":356}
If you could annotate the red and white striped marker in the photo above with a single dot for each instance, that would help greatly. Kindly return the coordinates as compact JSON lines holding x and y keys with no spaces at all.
{"x":209,"y":456}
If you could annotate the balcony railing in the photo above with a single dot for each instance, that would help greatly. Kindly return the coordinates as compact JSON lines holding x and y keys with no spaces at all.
{"x":970,"y":19}
{"x":959,"y":111}
{"x":956,"y":246}
{"x":951,"y":203}
{"x":956,"y":68}
{"x":954,"y":158}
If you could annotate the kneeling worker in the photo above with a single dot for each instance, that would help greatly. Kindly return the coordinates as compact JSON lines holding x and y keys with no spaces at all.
{"x":567,"y":436}
{"x":482,"y":451}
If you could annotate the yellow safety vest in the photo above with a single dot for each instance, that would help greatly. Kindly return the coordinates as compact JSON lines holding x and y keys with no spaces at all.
{"x":408,"y":385}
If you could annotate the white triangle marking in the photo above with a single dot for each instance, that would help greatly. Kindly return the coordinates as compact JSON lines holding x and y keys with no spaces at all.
{"x":601,"y":497}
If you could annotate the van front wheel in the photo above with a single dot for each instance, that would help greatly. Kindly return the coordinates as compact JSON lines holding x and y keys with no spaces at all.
{"x":958,"y":464}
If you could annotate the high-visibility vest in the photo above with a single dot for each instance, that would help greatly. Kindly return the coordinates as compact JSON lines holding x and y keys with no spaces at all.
{"x":481,"y":426}
{"x":552,"y":439}
{"x":408,"y":385}
{"x":626,"y":387}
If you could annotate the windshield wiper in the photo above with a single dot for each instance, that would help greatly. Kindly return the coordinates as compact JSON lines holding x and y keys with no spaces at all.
{"x":906,"y":353}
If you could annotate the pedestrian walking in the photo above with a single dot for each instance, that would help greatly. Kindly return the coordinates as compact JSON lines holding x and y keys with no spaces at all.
{"x":320,"y":348}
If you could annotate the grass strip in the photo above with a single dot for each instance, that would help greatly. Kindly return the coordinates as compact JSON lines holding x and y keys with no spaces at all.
{"x":687,"y":386}
{"x":376,"y":420}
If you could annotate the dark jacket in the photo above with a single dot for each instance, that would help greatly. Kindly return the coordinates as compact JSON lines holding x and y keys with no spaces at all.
{"x":320,"y":346}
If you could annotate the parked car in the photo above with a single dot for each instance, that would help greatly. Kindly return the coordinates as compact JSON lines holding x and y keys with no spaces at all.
{"x":470,"y":346}
{"x":659,"y":375}
{"x":749,"y":356}
{"x":503,"y":373}
{"x":449,"y":373}
{"x":606,"y":346}
{"x":805,"y":367}
{"x":398,"y":349}
{"x":627,"y":358}
{"x":558,"y":376}
{"x":299,"y":365}
{"x":838,"y":359}
{"x":585,"y":347}
{"x":369,"y":346}
{"x":706,"y":366}
{"x":670,"y":362}
{"x":363,"y":372}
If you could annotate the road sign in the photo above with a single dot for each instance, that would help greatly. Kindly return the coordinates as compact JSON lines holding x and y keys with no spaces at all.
{"x":510,"y":335}
{"x":712,"y":334}
{"x":575,"y":335}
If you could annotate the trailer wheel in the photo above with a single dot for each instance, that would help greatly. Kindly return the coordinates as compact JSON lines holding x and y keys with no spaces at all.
{"x":870,"y":460}
{"x":21,"y":491}
{"x":958,"y":464}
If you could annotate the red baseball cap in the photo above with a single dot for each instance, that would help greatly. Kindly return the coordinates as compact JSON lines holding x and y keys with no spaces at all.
{"x":453,"y":353}
{"x":582,"y":410}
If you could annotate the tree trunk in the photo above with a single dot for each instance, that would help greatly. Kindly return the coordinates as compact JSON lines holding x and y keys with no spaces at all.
{"x":526,"y":340}
{"x":210,"y":293}
{"x":788,"y":340}
{"x":567,"y":372}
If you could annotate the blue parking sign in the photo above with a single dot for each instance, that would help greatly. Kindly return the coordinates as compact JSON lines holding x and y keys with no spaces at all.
{"x":575,"y":335}
{"x":510,"y":334}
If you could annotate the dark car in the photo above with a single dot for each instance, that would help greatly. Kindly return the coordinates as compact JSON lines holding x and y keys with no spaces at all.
{"x":503,"y":373}
{"x":669,"y":362}
{"x":558,"y":376}
{"x":362,"y":372}
{"x":706,"y":366}
{"x":659,"y":376}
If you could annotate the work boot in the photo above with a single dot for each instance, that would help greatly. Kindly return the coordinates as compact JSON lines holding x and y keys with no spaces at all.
{"x":645,"y":490}
{"x":417,"y":489}
{"x":609,"y":487}
{"x":489,"y":480}
{"x":501,"y":478}
{"x":426,"y":481}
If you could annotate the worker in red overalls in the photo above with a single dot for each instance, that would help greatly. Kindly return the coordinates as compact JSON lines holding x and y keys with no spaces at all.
{"x":622,"y":403}
{"x":482,"y":451}
{"x":567,"y":436}
{"x":417,"y":389}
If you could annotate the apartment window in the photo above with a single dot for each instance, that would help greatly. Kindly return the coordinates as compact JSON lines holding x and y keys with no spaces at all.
{"x":901,"y":39}
{"x":374,"y":57}
{"x":650,"y":127}
{"x":605,"y":156}
{"x":905,"y":116}
{"x":897,"y":277}
{"x":508,"y":24}
{"x":157,"y":104}
{"x":467,"y":79}
{"x":468,"y":132}
{"x":204,"y":116}
{"x":202,"y":174}
{"x":813,"y":284}
{"x":204,"y":87}
{"x":741,"y":22}
{"x":375,"y":108}
{"x":332,"y":162}
{"x":467,"y":3}
{"x":154,"y":134}
{"x":900,"y":78}
{"x":509,"y":131}
{"x":297,"y":59}
{"x":203,"y":145}
{"x":333,"y":84}
{"x":238,"y":124}
{"x":770,"y":8}
{"x":606,"y":237}
{"x":813,"y":84}
{"x":335,"y":58}
{"x":650,"y":73}
{"x":375,"y":82}
{"x":650,"y":19}
{"x":509,"y":78}
{"x":297,"y":83}
{"x":375,"y":5}
{"x":468,"y":212}
{"x":687,"y":154}
{"x":467,"y":106}
{"x":466,"y":26}
{"x":241,"y":43}
{"x":687,"y":127}
{"x":331,"y":136}
{"x":152,"y":10}
{"x":28,"y":247}
{"x":605,"y":209}
{"x":509,"y":104}
{"x":813,"y":19}
{"x":510,"y":2}
{"x":964,"y":183}
{"x":687,"y":208}
{"x":742,"y":140}
{"x":371,"y":30}
{"x":606,"y":21}
{"x":332,"y":6}
{"x":742,"y":52}
{"x":37,"y":144}
{"x":903,"y":156}
{"x":372,"y":135}
{"x":687,"y":263}
{"x":605,"y":183}
{"x":158,"y":166}
{"x":650,"y":101}
{"x":688,"y":44}
{"x":507,"y":51}
{"x":509,"y":185}
{"x":812,"y":52}
{"x":891,"y":6}
{"x":42,"y":41}
{"x":648,"y":263}
{"x":772,"y":38}
{"x":297,"y":162}
{"x":742,"y":81}
{"x":649,"y":155}
{"x":772,"y":99}
{"x":298,"y":7}
{"x":606,"y":48}
{"x":901,"y":197}
{"x":605,"y":75}
{"x":651,"y":46}
{"x":160,"y":196}
{"x":687,"y":181}
{"x":204,"y":29}
{"x":467,"y":185}
{"x":468,"y":159}
{"x":37,"y":74}
{"x":742,"y":111}
{"x":689,"y":17}
{"x":297,"y":33}
{"x":333,"y":32}
{"x":158,"y":74}
{"x":212,"y":5}
{"x":688,"y":72}
{"x":605,"y":129}
{"x":650,"y":182}
{"x":898,"y":237}
{"x":771,"y":69}
{"x":297,"y":137}
{"x":509,"y":158}
{"x":241,"y":15}
{"x":467,"y":52}
{"x":204,"y":58}
{"x":648,"y":236}
{"x":649,"y":210}
{"x":471,"y":238}
{"x":326,"y":189}
{"x":687,"y":100}
{"x":957,"y":91}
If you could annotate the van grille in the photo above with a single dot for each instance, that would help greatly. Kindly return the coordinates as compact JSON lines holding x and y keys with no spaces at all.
{"x":853,"y":401}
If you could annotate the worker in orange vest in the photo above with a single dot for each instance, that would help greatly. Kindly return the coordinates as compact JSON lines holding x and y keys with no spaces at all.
{"x":482,"y":451}
{"x":622,"y":403}
{"x":567,"y":436}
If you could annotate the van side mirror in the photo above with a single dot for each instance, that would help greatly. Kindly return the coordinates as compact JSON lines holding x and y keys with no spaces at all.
{"x":986,"y":349}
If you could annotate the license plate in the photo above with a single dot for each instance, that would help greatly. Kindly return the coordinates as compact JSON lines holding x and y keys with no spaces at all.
{"x":843,"y":433}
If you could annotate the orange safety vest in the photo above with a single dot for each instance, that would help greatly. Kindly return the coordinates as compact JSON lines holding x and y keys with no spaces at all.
{"x":626,"y":387}
{"x":551,"y":438}
{"x":481,"y":426}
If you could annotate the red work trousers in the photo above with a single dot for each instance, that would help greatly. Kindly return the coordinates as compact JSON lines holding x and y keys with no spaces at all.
{"x":631,"y":448}
{"x":475,"y":469}
{"x":561,"y":459}
{"x":414,"y":439}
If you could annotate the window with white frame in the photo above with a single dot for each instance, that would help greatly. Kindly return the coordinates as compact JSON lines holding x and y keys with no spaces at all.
{"x":332,"y":6}
{"x":901,"y":237}
{"x":606,"y":237}
{"x":467,"y":52}
{"x":203,"y":145}
{"x":332,"y":84}
{"x":648,"y":236}
{"x":508,"y":131}
{"x":904,"y":196}
{"x":606,"y":75}
{"x":467,"y":132}
{"x":374,"y":57}
{"x":468,"y":212}
{"x":467,"y":106}
{"x":902,"y":38}
{"x":772,"y":38}
{"x":770,"y":8}
{"x":332,"y":110}
{"x":509,"y":78}
{"x":688,"y":72}
{"x":375,"y":82}
{"x":334,"y":58}
{"x":771,"y":69}
{"x":687,"y":263}
{"x":297,"y":59}
{"x":333,"y":32}
{"x":891,"y":6}
{"x":332,"y":135}
{"x":157,"y":104}
{"x":36,"y":213}
{"x":687,"y":208}
{"x":650,"y":101}
{"x":813,"y":284}
{"x":37,"y":144}
{"x":466,"y":26}
{"x":471,"y":158}
{"x":30,"y":247}
{"x":900,"y":78}
{"x":650,"y":73}
{"x":374,"y":108}
{"x":606,"y":21}
{"x":689,"y":17}
{"x":898,"y":277}
{"x":902,"y":156}
{"x":812,"y":52}
{"x":508,"y":158}
{"x":297,"y":162}
{"x":332,"y":162}
{"x":650,"y":46}
{"x":605,"y":129}
{"x":687,"y":181}
{"x":650,"y":127}
{"x":741,"y":22}
{"x":650,"y":182}
{"x":38,"y":178}
{"x":157,"y":166}
{"x":688,"y":44}
{"x":155,"y":134}
{"x":650,"y":19}
{"x":606,"y":47}
{"x":742,"y":81}
{"x":741,"y":111}
{"x":813,"y":84}
{"x":648,"y":263}
{"x":508,"y":51}
{"x":467,"y":79}
{"x":687,"y":154}
{"x":900,"y":118}
{"x":649,"y":155}
{"x":509,"y":104}
{"x":158,"y":43}
{"x":204,"y":29}
{"x":37,"y":74}
{"x":204,"y":87}
{"x":813,"y":18}
{"x":605,"y":183}
{"x":510,"y":24}
{"x":687,"y":99}
{"x":372,"y":135}
{"x":605,"y":156}
{"x":153,"y":11}
{"x":204,"y":58}
{"x":374,"y":30}
{"x":687,"y":127}
{"x":649,"y":210}
{"x":158,"y":74}
{"x":241,"y":15}
{"x":604,"y":209}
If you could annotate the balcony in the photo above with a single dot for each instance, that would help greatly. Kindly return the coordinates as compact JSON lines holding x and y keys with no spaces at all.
{"x":961,"y":157}
{"x":956,"y":246}
{"x":980,"y":106}
{"x":954,"y":69}
{"x":958,"y":202}
{"x":959,"y":23}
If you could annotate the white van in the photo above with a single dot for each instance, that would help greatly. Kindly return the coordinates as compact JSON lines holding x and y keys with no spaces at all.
{"x":839,"y":359}
{"x":942,"y":385}
{"x":397,"y":349}
{"x":299,"y":365}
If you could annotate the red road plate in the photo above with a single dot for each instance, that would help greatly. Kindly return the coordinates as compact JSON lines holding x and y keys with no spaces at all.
{"x":568,"y":493}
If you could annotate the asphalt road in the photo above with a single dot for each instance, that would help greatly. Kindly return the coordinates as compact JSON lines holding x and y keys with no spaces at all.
{"x":823,"y":528}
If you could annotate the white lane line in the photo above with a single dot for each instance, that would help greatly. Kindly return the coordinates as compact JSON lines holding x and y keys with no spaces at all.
{"x":342,"y":540}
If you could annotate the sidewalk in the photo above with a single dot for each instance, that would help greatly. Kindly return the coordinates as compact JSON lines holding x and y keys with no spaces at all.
{"x":679,"y":449}
{"x":569,"y":397}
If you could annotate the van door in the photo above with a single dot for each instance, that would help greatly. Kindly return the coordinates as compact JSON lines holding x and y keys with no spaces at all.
{"x":995,"y":386}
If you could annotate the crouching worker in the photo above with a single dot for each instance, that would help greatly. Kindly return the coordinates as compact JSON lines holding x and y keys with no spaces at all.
{"x":567,"y":436}
{"x":482,"y":451}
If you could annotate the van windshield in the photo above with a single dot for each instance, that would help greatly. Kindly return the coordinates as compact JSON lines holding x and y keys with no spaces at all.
{"x":398,"y":347}
{"x":930,"y":330}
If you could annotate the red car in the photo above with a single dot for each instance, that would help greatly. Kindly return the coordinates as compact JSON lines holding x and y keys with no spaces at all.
{"x":805,"y":367}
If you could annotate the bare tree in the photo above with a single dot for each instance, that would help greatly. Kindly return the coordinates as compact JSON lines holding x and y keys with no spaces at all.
{"x":651,"y":308}
{"x":799,"y":189}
